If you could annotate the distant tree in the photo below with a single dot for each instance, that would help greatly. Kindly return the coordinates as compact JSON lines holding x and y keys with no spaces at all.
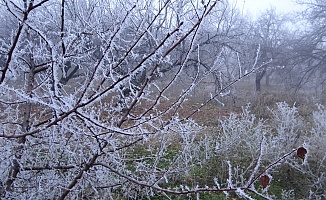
{"x":271,"y":35}
{"x":309,"y":48}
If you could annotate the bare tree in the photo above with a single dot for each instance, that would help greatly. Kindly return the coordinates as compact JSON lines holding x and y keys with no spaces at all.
{"x":309,"y":54}
{"x":271,"y":35}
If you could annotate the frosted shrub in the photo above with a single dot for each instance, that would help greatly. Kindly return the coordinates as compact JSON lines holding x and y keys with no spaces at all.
{"x":319,"y":119}
{"x":285,"y":125}
{"x":241,"y":141}
{"x":240,"y":134}
{"x":317,"y":169}
{"x":251,"y":149}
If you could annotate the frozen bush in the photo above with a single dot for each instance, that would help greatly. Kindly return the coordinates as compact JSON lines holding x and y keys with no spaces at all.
{"x":240,"y":135}
{"x":286,"y":126}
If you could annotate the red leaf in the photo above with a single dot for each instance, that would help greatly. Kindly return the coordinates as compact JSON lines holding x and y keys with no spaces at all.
{"x":301,"y":152}
{"x":264,"y":180}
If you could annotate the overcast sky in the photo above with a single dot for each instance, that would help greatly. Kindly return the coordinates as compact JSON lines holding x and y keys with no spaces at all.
{"x":257,"y":6}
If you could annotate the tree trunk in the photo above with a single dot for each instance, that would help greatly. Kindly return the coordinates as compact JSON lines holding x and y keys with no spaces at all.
{"x":258,"y":86}
{"x":259,"y":77}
